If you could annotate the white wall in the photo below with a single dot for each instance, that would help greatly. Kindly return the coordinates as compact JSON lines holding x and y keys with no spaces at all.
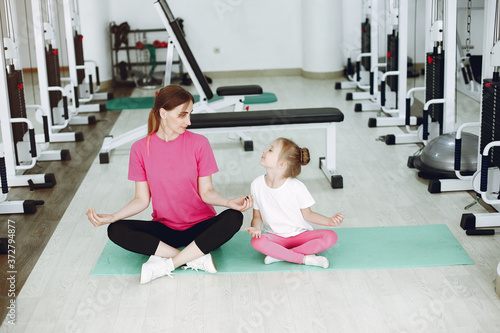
{"x":249,"y":35}
{"x":234,"y":35}
{"x":94,"y":23}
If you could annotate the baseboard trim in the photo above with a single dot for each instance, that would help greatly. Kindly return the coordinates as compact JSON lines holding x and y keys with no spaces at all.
{"x":254,"y":73}
{"x":275,"y":72}
{"x":322,"y":76}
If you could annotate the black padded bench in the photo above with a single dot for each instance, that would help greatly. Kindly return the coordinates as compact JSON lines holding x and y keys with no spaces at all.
{"x":226,"y":122}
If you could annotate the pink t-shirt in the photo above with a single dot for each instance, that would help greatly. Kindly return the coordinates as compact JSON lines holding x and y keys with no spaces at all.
{"x":172,"y":170}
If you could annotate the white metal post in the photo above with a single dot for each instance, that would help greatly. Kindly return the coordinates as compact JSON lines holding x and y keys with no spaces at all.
{"x":450,"y":47}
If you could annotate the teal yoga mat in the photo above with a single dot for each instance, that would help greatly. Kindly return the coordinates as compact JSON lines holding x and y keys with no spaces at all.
{"x":357,"y":248}
{"x":147,"y":102}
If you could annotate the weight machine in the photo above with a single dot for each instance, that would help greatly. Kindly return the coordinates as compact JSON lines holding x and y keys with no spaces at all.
{"x":362,"y":76}
{"x":438,"y":116}
{"x":82,"y":83}
{"x":7,"y":148}
{"x":52,"y":96}
{"x":393,"y":81}
{"x":486,"y":181}
{"x":19,"y":150}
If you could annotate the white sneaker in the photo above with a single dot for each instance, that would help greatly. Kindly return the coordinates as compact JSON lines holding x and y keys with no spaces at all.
{"x":314,"y":260}
{"x":269,"y":260}
{"x":156,"y":267}
{"x":205,"y":263}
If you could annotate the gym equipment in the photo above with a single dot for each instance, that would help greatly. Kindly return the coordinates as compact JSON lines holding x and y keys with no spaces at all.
{"x":53,"y":98}
{"x":450,"y":159}
{"x":469,"y":66}
{"x":126,"y":64}
{"x":18,"y":148}
{"x":230,"y":96}
{"x":14,"y":207}
{"x":393,"y":81}
{"x":148,"y":102}
{"x":82,"y":83}
{"x":357,"y":248}
{"x":438,"y":116}
{"x":486,"y":180}
{"x":362,"y":77}
{"x":437,"y":160}
{"x":227,"y":122}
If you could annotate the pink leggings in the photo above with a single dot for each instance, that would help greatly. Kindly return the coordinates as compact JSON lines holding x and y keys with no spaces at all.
{"x":293,"y":249}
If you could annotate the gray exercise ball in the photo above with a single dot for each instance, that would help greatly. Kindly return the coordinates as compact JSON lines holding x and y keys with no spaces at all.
{"x":438,"y":157}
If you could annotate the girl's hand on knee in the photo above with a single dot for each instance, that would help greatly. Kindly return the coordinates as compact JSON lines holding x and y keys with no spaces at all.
{"x":336,"y":220}
{"x":254,"y":232}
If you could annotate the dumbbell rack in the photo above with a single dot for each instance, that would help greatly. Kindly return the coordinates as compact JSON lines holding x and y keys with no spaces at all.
{"x":127,"y":54}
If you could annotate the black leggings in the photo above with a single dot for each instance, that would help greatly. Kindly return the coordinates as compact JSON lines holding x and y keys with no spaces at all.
{"x":144,"y":236}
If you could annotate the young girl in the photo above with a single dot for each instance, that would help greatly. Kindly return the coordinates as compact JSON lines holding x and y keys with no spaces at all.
{"x":281,"y":206}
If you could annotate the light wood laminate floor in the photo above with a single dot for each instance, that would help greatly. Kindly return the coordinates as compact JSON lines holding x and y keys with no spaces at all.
{"x":379,"y":190}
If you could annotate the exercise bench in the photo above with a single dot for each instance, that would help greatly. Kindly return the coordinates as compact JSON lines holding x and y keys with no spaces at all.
{"x":226,"y":122}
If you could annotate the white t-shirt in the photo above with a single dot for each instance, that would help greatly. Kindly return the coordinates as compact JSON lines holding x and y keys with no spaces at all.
{"x":280,"y":207}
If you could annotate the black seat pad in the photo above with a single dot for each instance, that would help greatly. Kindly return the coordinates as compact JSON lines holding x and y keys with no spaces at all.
{"x":239,"y":90}
{"x":266,"y":118}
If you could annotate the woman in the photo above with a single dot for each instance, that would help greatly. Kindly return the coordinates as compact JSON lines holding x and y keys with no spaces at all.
{"x":173,"y":168}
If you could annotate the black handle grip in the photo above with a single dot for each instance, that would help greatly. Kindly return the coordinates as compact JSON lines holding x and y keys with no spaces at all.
{"x":91,"y":85}
{"x":458,"y":153}
{"x":65,"y":107}
{"x":382,"y":93}
{"x":32,"y":142}
{"x":408,"y":109}
{"x":372,"y":83}
{"x":484,"y":172}
{"x":97,"y":78}
{"x":358,"y":71}
{"x":77,"y":97}
{"x":425,"y":124}
{"x":3,"y":176}
{"x":45,"y":121}
{"x":464,"y":74}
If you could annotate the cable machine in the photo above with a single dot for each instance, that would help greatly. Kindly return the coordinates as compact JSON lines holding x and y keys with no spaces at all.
{"x":393,"y":81}
{"x":7,"y":148}
{"x":438,"y":115}
{"x":439,"y":160}
{"x":469,"y":66}
{"x":53,"y":98}
{"x":19,"y":149}
{"x":361,"y":76}
{"x":79,"y":68}
{"x":486,"y":181}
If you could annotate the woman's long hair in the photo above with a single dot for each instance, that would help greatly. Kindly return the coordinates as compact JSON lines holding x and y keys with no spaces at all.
{"x":167,"y":98}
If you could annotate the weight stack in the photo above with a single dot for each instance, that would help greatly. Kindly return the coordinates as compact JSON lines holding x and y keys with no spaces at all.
{"x":53,"y":76}
{"x":17,"y":105}
{"x":490,"y":124}
{"x":366,"y":44}
{"x":434,"y":85}
{"x":392,"y":60}
{"x":80,"y":60}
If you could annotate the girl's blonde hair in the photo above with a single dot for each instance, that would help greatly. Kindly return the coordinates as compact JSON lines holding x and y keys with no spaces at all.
{"x":294,"y":156}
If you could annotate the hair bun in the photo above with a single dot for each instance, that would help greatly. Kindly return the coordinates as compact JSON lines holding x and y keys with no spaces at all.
{"x":304,"y":156}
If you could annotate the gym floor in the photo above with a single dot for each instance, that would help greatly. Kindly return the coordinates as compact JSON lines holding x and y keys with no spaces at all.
{"x":59,"y":295}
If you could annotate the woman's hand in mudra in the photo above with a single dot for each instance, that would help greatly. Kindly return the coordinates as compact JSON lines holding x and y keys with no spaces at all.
{"x":242,"y":203}
{"x":98,"y":219}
